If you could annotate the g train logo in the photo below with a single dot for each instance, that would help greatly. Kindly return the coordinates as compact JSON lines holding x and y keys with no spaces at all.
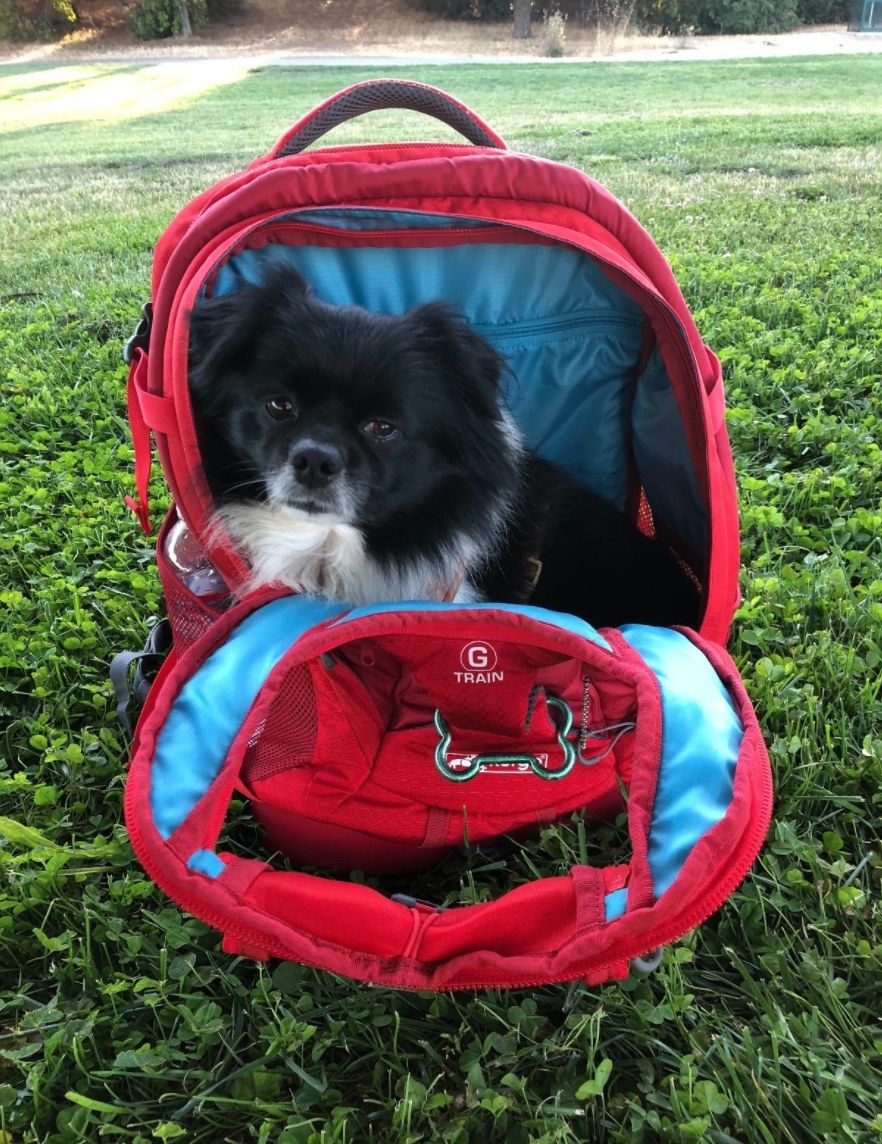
{"x":479,"y":664}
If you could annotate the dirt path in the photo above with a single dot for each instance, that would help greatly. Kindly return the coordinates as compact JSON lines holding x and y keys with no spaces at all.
{"x":388,"y":32}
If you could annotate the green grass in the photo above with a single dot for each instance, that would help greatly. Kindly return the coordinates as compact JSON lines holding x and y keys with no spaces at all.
{"x":121,"y":1018}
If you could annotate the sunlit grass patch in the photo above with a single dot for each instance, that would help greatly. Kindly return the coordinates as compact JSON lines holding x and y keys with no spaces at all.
{"x":105,"y":94}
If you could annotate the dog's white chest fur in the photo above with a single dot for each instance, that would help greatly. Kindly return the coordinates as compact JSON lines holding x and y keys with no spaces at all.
{"x":285,"y":546}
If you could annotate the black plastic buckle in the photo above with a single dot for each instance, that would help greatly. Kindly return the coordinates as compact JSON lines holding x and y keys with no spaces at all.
{"x":135,"y":686}
{"x":141,"y":337}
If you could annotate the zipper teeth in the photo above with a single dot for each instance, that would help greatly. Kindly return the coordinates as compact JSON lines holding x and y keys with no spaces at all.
{"x":282,"y":223}
{"x":287,"y":222}
{"x":554,"y":325}
{"x":382,"y":232}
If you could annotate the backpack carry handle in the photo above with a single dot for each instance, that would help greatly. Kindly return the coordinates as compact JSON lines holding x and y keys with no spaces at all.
{"x":382,"y":95}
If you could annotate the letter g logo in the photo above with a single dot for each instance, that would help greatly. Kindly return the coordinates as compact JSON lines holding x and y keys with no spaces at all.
{"x":478,"y":657}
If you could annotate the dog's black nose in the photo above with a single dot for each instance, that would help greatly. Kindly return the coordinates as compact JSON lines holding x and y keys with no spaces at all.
{"x":316,"y":465}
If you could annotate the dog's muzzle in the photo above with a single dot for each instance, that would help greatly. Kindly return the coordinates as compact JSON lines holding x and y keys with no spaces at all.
{"x":315,"y":482}
{"x":316,"y":466}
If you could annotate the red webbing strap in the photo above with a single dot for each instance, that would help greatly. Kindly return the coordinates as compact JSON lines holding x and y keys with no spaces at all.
{"x":140,"y":440}
{"x":148,"y":413}
{"x":337,"y":924}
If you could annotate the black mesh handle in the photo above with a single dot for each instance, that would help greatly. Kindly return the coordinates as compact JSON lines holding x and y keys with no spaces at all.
{"x":380,"y":95}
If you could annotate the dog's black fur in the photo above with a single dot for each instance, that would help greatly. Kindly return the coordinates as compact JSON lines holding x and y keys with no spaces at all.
{"x":386,"y":436}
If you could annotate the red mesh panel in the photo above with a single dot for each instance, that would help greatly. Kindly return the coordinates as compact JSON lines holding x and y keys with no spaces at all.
{"x":190,"y":615}
{"x":646,"y":524}
{"x":644,"y":516}
{"x":286,"y":738}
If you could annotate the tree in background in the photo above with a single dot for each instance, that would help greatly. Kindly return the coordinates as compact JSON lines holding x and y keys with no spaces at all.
{"x":522,"y":22}
{"x":155,"y":19}
{"x":735,"y":17}
{"x":36,"y":19}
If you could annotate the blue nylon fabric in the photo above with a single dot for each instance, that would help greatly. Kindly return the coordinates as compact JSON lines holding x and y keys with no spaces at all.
{"x":211,"y":706}
{"x":378,"y":219}
{"x":206,"y":862}
{"x":562,"y":620}
{"x":552,"y":311}
{"x":504,"y":290}
{"x":662,"y":457}
{"x":701,"y":738}
{"x":614,"y":904}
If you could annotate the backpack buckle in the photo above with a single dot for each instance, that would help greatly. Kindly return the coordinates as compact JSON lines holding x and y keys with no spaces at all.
{"x":140,"y":339}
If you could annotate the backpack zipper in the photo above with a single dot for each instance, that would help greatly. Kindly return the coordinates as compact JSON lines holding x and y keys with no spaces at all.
{"x":548,"y":327}
{"x":256,"y":938}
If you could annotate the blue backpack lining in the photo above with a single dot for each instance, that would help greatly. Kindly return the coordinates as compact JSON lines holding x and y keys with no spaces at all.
{"x":573,"y":340}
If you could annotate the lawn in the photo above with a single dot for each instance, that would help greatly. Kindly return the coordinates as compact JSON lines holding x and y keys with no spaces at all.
{"x":121,"y":1017}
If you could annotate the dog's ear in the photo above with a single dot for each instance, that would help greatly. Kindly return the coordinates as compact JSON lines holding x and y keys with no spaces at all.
{"x":475,"y":364}
{"x":283,"y":281}
{"x":221,"y":330}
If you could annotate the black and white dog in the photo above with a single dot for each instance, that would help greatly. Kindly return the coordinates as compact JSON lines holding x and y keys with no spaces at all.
{"x":367,"y":458}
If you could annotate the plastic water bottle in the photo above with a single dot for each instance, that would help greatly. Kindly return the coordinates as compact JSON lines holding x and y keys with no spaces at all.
{"x":187,"y":556}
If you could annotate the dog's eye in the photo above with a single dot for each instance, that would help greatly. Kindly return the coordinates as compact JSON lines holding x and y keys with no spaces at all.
{"x":382,"y":430}
{"x":280,"y":408}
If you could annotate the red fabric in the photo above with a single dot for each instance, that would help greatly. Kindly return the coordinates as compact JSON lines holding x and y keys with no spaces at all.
{"x":364,"y":801}
{"x":140,"y":440}
{"x":549,"y":930}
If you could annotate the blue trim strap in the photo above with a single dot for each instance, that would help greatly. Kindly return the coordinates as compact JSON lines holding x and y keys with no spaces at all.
{"x":614,"y":904}
{"x":206,"y":862}
{"x":701,"y":740}
{"x":561,"y":620}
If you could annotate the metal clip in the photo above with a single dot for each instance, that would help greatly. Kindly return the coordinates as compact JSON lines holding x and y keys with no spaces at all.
{"x":563,"y":724}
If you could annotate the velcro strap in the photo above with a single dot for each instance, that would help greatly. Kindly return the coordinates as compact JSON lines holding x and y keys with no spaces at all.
{"x":158,"y":411}
{"x":140,"y":439}
{"x":148,"y":412}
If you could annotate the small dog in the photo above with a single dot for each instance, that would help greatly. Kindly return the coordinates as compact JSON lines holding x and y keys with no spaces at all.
{"x":367,"y":457}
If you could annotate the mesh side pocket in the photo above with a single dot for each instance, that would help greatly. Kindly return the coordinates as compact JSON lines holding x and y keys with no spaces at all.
{"x":645,"y":522}
{"x":286,"y":739}
{"x":190,"y":615}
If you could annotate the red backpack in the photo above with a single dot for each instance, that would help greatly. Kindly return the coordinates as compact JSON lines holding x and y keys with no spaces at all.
{"x":383,"y":738}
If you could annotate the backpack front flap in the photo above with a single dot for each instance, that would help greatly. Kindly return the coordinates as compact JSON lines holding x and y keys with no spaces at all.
{"x":397,"y":732}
